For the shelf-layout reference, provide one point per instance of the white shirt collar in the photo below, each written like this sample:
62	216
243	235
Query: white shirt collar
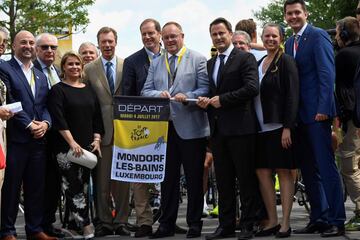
42	64
104	61
301	32
22	65
227	51
176	54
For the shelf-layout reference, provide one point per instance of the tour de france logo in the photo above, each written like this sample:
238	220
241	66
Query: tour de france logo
140	133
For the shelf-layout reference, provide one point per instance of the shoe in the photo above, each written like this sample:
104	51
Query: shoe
221	233
8	237
334	231
283	234
131	227
317	227
194	231
40	236
73	234
180	230
101	231
88	231
122	231
162	233
268	232
353	224
143	231
215	212
245	234
54	232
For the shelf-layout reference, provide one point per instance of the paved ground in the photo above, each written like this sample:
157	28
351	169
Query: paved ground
299	219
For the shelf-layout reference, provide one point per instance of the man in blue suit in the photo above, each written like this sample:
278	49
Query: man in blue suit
314	56
135	71
26	153
181	74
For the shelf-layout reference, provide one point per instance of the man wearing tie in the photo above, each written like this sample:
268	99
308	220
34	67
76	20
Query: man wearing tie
104	75
46	46
234	83
314	56
180	73
26	155
136	69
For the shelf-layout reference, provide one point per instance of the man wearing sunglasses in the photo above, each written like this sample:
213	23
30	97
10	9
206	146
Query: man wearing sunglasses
46	46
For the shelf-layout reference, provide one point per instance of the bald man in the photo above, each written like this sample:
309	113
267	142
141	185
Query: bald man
26	152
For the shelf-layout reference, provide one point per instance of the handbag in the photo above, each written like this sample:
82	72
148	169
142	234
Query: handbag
87	159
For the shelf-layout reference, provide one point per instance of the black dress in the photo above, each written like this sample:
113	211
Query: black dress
76	110
277	109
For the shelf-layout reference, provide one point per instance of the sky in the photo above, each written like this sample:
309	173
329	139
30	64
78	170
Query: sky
194	16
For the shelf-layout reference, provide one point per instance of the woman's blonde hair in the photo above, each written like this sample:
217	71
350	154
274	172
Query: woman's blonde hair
65	58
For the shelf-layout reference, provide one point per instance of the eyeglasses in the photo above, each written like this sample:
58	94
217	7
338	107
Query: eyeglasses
46	47
170	37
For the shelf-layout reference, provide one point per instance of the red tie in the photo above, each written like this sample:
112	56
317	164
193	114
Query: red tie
296	42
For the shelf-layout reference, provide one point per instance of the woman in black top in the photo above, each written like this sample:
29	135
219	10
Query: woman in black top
75	112
276	107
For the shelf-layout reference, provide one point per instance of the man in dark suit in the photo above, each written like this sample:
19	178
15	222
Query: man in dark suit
135	72
46	45
234	83
314	56
26	152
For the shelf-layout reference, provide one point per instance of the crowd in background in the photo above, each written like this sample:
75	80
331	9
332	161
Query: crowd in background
262	109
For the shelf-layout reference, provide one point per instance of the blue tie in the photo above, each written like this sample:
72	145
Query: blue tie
221	66
110	77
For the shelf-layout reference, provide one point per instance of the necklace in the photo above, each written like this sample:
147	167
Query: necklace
266	63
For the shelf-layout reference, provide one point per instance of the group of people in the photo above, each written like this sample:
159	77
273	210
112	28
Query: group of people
261	109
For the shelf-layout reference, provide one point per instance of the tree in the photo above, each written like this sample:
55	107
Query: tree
44	15
322	13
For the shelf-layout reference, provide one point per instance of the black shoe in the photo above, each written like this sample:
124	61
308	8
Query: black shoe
317	227
54	232
180	230
245	234
194	231
334	231
283	234
131	227
143	231
101	231
268	232
221	233
162	233
122	231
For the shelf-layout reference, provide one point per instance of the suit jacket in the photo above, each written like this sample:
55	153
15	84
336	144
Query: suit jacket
18	90
38	66
279	91
238	85
191	79
95	75
136	69
315	62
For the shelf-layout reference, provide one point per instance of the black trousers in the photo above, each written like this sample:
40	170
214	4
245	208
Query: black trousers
191	154
52	184
234	158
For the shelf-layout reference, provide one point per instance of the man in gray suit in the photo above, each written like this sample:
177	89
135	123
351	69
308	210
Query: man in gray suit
181	74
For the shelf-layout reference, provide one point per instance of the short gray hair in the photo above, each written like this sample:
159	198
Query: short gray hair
4	30
243	33
42	35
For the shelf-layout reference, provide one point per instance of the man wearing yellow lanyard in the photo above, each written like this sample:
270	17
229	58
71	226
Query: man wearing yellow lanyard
180	74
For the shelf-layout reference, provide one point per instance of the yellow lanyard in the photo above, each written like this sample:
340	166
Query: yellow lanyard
32	83
181	54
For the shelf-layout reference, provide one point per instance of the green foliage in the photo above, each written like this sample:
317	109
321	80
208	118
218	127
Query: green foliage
322	13
44	15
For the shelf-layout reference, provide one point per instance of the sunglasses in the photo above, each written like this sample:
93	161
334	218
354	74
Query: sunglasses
46	47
